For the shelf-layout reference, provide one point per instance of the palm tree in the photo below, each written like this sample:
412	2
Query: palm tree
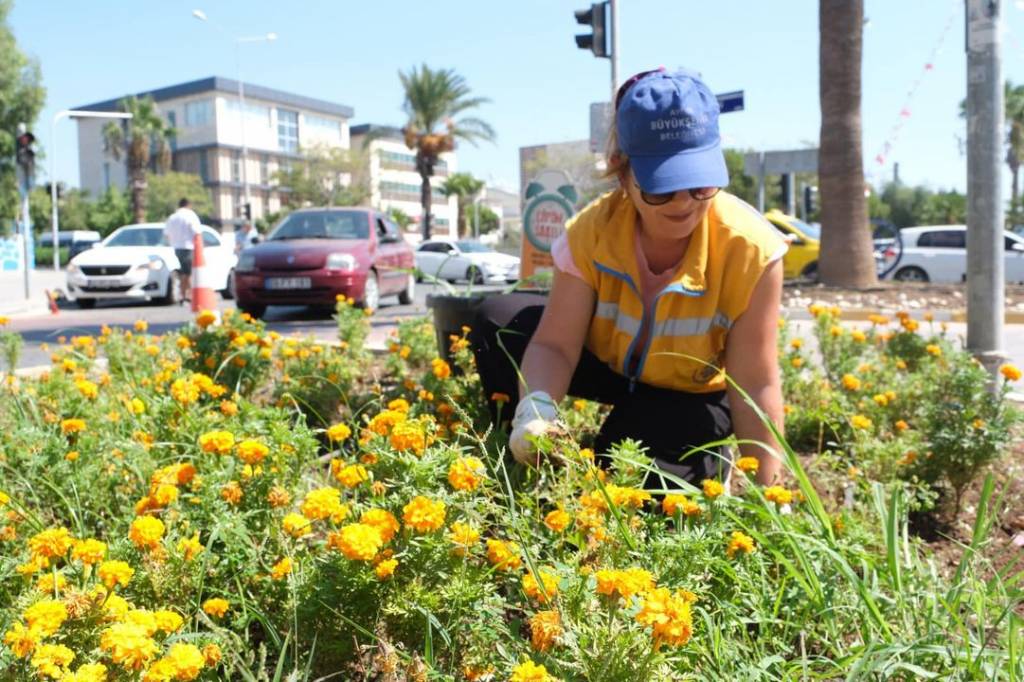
1014	105
140	139
433	98
846	249
465	187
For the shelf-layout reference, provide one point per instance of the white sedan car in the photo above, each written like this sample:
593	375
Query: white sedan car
135	262
938	253
455	259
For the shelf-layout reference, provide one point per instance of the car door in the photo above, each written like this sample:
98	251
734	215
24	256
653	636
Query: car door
942	254
388	259
1014	258
455	263
218	258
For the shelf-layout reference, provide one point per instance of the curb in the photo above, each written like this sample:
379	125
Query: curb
863	315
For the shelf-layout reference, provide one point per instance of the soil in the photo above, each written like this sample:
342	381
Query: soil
891	296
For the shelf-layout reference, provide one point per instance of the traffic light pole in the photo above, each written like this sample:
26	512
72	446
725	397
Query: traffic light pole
614	56
985	265
26	227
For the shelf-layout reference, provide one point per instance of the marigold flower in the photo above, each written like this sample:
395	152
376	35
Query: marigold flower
901	425
278	497
338	432
463	536
933	349
423	514
797	362
859	421
217	442
383	520
52	660
87	389
89	551
349	475
115	573
252	451
385	569
858	336
668	615
212	654
504	555
216	606
231	492
543	591
778	495
46	616
190	548
167	621
466	473
357	541
281	569
141	326
52	583
69	426
1010	372
498	397
740	542
205	318
674	502
407	436
880	399
87	672
440	368
623	583
712	488
748	465
21	640
128	645
851	383
557	520
186	659
528	671
146	532
545	629
324	503
296	525
383	422
51	543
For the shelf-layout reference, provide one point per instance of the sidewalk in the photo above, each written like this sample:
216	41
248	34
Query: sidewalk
12	291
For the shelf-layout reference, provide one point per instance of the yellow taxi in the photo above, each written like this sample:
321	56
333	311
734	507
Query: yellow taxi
804	244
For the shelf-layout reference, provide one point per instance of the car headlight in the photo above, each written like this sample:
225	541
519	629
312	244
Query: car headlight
153	264
246	262
73	269
341	261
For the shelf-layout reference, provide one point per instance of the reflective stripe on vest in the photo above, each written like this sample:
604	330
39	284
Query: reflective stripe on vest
607	310
690	326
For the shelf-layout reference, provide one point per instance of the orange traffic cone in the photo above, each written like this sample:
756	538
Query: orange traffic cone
203	297
51	298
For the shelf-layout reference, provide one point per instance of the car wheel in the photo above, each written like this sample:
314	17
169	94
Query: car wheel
408	294
371	292
174	293
810	271
228	292
475	274
255	310
86	303
911	273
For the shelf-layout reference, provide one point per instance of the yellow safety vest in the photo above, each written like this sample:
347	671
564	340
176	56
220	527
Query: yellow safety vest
711	288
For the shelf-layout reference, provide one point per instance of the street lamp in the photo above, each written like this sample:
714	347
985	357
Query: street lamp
54	217
269	38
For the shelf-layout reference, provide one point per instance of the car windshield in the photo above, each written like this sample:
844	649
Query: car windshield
322	225
473	247
139	236
809	230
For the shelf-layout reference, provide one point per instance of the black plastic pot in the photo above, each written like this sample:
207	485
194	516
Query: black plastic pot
451	313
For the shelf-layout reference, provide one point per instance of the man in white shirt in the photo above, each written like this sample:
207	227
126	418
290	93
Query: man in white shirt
180	230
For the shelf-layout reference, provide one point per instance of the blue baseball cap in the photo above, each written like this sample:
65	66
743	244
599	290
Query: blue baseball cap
667	123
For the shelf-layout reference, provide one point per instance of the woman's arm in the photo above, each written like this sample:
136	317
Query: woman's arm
752	360
555	348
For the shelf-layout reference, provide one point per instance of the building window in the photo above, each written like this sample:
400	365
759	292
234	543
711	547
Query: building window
236	166
288	130
320	125
204	166
265	169
401	161
256	116
402	191
198	113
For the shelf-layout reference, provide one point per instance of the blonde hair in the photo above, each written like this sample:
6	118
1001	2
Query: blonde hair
616	163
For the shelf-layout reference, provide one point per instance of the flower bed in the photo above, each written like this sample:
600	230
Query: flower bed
223	503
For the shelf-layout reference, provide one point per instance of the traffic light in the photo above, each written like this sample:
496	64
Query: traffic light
809	192
597	40
26	152
247	211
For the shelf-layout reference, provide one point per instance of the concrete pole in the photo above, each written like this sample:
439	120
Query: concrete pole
791	194
614	21
985	265
760	182
241	108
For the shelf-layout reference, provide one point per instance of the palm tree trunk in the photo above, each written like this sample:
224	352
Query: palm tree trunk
847	257
138	177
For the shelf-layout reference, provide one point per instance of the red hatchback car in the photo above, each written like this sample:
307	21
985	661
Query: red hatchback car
315	254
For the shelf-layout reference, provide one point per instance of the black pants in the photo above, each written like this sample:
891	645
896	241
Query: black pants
669	423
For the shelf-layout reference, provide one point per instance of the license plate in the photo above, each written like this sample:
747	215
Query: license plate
101	283
288	283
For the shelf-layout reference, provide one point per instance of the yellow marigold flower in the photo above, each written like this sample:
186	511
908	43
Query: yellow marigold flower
46	616
212	654
543	591
205	318
87	672
463	536
296	525
52	660
146	532
165	494
796	344
748	465
51	583
466	473
440	368
557	520
338	432
504	555
357	541
668	615
217	442
900	364
141	326
190	548
778	495
69	426
797	362
216	606
816	309
909	324
228	408
902	425
407	436
278	497
115	573
1010	372
740	542
674	502
128	645
933	349
423	514
88	389
712	488
545	629
858	336
399	405
89	551
385	569
382	423
21	640
528	671
383	520
4	320
349	475
324	503
252	451
281	569
187	659
51	543
859	421
836	330
167	621
624	583
4	498
880	399
851	383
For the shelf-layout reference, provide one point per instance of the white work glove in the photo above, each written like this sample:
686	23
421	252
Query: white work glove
535	415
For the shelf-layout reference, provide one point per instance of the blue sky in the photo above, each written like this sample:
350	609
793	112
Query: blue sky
520	54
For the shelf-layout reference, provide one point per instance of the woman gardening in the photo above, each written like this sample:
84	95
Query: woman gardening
660	287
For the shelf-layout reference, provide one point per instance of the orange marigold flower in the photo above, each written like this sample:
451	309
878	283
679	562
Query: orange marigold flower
69	426
278	497
778	495
1010	372
385	569
281	569
51	543
383	520
407	436
623	583
466	473
89	551
357	541
712	488
739	542
851	383
440	368
500	397
218	442
146	532
557	520
544	590
668	615
545	629
252	451
423	514
463	536
504	555
216	607
232	493
748	465
901	425
205	318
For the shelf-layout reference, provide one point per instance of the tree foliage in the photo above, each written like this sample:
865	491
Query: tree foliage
325	176
144	137
465	187
21	99
166	190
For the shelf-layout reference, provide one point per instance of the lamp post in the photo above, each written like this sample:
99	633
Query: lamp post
54	216
268	37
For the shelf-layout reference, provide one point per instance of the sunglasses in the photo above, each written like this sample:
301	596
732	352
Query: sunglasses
629	83
662	198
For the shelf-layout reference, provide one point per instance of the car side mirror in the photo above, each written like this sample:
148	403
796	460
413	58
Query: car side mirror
256	239
1018	247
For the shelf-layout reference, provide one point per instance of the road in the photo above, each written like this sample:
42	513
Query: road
298	320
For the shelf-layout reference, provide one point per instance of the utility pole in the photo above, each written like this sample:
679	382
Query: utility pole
985	265
614	12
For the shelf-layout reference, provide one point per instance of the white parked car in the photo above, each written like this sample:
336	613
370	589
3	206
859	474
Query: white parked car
135	262
938	253
457	259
